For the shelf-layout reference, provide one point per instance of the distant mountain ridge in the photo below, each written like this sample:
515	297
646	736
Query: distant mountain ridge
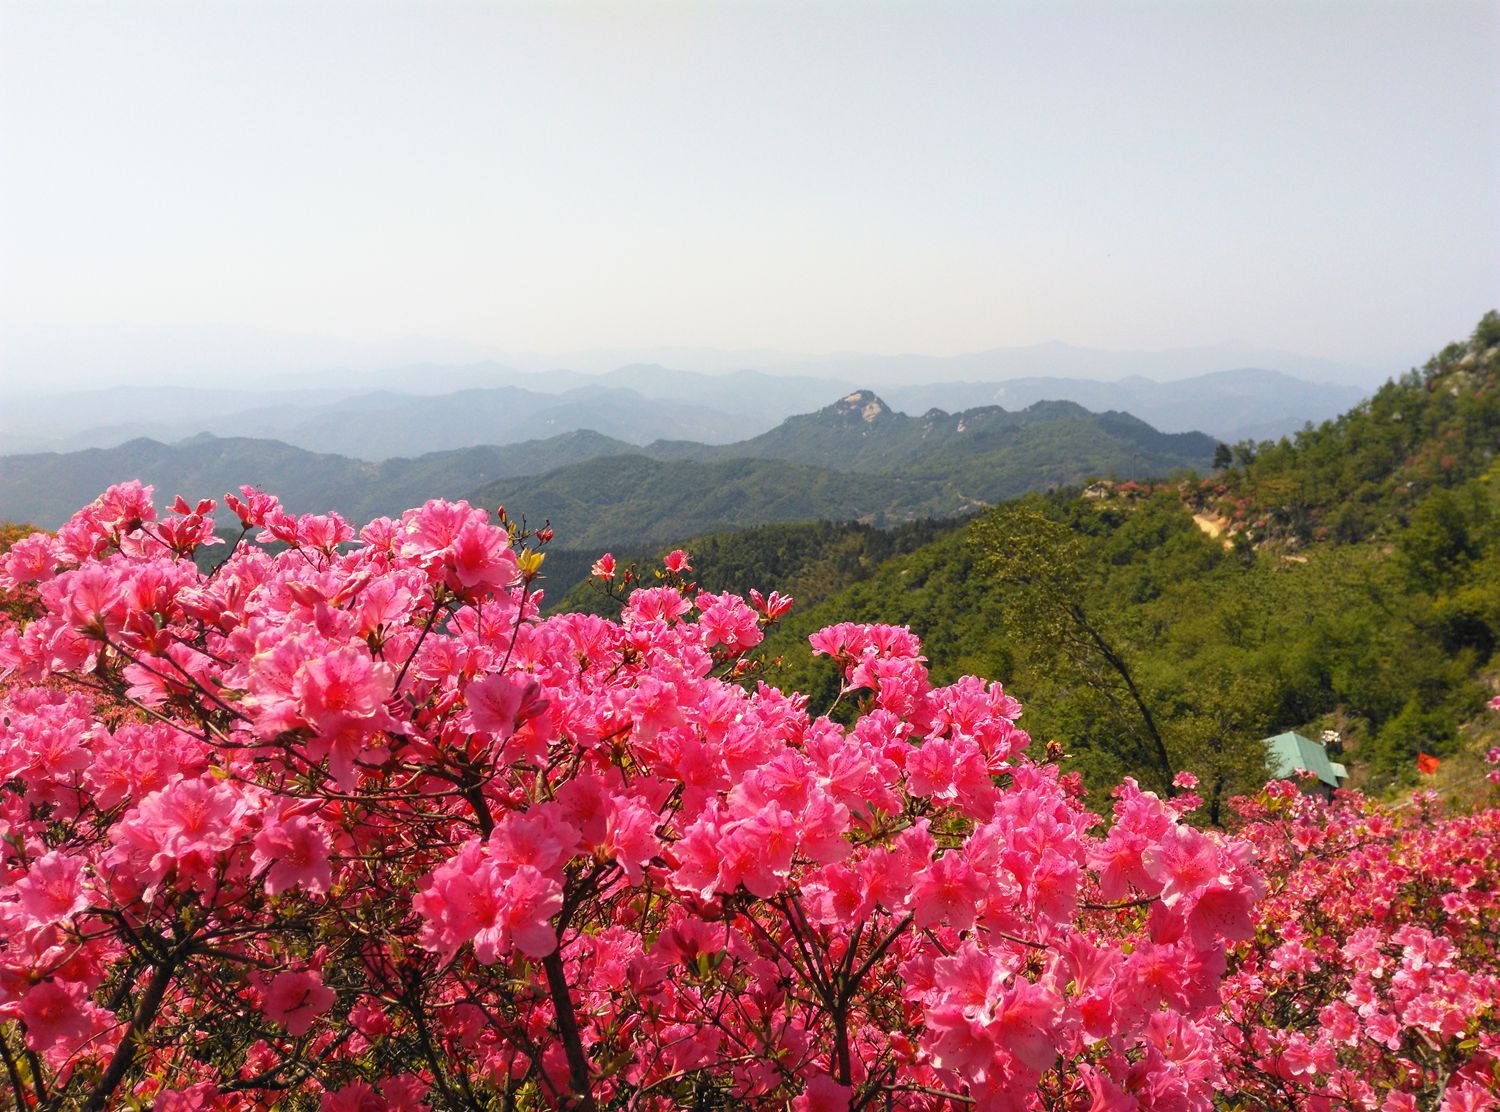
860	432
856	459
284	359
1247	403
46	488
426	408
373	425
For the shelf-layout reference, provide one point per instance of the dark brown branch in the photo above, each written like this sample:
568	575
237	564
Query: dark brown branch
17	1087
567	1027
124	1056
1123	671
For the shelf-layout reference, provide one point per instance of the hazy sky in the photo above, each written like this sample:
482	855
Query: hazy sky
1322	177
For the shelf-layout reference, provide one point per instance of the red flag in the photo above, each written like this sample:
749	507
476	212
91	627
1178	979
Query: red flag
1427	765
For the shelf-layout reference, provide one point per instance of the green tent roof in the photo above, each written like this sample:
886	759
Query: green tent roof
1286	753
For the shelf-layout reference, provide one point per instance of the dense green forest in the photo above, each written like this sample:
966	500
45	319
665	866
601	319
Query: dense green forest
1353	585
852	460
808	560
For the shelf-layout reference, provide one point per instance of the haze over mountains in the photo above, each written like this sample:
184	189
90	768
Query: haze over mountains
430	408
641	453
74	356
1233	405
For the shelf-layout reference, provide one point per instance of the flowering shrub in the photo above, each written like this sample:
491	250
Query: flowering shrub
342	824
1373	981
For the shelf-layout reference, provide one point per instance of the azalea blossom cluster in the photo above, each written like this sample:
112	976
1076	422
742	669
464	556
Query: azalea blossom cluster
340	821
1373	981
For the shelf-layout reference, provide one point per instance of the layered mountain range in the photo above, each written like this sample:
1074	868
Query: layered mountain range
431	408
857	459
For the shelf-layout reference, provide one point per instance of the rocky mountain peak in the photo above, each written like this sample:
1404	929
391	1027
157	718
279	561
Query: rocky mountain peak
862	405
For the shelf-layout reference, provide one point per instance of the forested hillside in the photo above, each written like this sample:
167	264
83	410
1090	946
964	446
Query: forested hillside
1049	438
47	487
1353	584
1371	469
855	460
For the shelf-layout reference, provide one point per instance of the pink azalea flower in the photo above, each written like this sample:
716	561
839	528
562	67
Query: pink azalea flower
294	852
541	838
1182	862
341	684
405	1092
63	1023
1026	1017
52	890
497	703
823	1094
1469	1097
202	1097
947	891
761	859
323	532
255	506
31	559
1297	1058
726	620
1222	909
185	825
357	1096
630	838
473	899
296	999
771	606
481	558
92	599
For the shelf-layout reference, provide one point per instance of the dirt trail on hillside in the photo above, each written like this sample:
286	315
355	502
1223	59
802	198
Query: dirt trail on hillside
1214	526
1210	524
